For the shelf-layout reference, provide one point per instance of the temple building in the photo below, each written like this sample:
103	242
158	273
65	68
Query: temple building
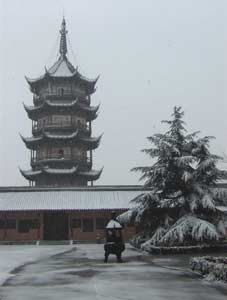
71	214
62	143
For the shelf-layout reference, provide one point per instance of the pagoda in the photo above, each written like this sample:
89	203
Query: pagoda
61	144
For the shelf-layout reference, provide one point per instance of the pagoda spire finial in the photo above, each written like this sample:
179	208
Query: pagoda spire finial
63	42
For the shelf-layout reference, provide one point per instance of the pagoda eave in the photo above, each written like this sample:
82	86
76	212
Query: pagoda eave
91	175
34	175
74	138
34	112
89	84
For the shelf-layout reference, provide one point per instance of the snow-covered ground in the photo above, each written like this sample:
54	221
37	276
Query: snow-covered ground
80	273
14	256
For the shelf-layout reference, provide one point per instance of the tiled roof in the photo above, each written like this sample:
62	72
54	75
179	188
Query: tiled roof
66	199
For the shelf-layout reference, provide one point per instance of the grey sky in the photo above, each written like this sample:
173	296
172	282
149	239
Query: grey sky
151	55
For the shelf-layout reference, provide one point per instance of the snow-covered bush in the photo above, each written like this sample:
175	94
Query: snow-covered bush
180	208
212	267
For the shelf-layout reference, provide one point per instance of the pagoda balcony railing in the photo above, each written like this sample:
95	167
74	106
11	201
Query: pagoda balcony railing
56	97
61	158
36	128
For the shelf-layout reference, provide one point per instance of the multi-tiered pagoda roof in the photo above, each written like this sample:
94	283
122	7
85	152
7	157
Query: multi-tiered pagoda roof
61	145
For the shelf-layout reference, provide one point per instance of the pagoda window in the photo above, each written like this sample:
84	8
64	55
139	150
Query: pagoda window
61	153
88	225
49	87
61	120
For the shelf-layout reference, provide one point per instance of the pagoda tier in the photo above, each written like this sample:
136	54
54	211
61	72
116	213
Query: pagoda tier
36	175
50	107
68	161
62	69
74	138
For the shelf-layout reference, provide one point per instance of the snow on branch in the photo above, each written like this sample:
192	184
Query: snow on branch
159	233
127	216
189	227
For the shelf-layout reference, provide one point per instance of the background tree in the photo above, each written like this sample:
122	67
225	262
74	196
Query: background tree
180	206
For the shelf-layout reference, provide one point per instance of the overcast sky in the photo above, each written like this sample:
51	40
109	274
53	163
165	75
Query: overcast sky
151	55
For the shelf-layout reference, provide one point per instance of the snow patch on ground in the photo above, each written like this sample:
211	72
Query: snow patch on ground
18	255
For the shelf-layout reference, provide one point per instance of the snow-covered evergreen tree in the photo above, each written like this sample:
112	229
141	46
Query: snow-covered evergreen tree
180	207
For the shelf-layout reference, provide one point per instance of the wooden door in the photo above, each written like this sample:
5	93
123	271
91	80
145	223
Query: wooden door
56	226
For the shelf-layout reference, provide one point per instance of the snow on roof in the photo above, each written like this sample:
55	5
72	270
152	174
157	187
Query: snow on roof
91	172
70	104
31	172
113	224
81	199
66	104
60	171
61	136
91	139
62	68
31	139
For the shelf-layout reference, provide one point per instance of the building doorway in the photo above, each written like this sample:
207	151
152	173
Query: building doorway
56	226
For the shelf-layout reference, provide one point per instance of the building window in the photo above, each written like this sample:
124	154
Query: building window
34	224
23	226
2	224
88	225
101	223
76	223
8	224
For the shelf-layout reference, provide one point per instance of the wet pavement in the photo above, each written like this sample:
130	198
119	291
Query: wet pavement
80	273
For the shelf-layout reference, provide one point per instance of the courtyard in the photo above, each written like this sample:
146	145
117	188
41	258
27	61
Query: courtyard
78	272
